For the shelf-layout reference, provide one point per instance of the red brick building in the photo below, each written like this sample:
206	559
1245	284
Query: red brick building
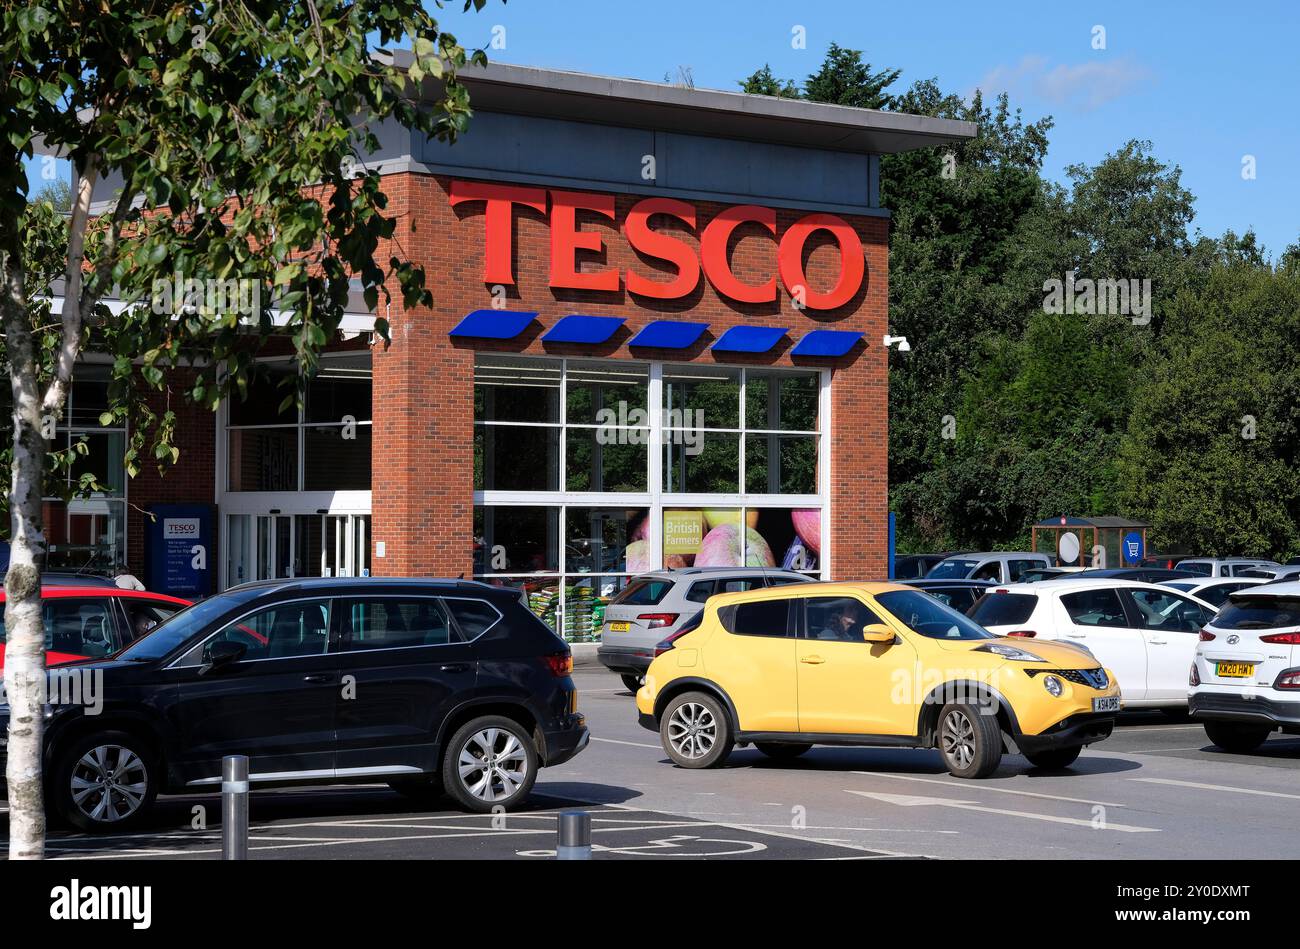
657	338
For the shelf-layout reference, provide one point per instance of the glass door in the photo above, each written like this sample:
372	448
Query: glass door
276	546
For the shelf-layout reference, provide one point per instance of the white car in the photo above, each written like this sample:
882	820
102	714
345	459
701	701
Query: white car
1222	566
1245	680
1145	633
1213	590
1000	566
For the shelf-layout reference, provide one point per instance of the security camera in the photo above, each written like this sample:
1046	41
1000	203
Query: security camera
903	345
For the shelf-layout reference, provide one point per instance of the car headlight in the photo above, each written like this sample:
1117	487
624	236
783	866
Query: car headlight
1053	686
1013	653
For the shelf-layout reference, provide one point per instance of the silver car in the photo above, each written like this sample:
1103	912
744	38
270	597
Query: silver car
655	605
1000	566
1223	566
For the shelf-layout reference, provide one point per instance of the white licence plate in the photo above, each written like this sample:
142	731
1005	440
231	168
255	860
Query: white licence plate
1107	703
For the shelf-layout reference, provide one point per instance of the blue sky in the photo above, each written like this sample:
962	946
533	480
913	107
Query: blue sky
1206	84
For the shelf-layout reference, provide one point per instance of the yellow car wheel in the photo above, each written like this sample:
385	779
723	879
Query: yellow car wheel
969	740
695	731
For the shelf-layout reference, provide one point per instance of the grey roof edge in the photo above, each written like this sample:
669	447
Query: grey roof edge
583	96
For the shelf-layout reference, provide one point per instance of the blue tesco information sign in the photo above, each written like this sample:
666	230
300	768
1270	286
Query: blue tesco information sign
180	549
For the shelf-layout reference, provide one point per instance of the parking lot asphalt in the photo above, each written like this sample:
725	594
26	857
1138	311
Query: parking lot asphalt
1156	788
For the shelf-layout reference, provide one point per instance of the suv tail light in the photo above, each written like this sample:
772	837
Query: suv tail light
664	645
560	663
1289	679
658	620
1023	633
1286	639
1206	636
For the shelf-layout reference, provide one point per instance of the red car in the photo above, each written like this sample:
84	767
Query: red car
88	622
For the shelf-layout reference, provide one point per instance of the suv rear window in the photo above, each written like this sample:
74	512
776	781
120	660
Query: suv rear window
1200	569
1003	609
1259	612
644	591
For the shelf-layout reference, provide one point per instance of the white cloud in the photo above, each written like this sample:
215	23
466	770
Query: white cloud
1084	86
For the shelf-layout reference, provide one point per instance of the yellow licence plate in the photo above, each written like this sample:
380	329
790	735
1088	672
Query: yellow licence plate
619	627
1233	670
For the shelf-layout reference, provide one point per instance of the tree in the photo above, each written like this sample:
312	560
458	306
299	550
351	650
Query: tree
231	127
1212	449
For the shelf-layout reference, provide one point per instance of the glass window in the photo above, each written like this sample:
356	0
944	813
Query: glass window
143	615
1259	612
597	539
781	401
516	539
605	459
1094	608
1215	595
473	617
516	458
337	457
644	592
283	631
612	393
781	464
702	396
341	388
952	569
739	584
394	623
262	402
700	462
927	616
263	459
699	592
960	599
516	389
837	618
80	627
1002	609
1167	612
1016	568
760	618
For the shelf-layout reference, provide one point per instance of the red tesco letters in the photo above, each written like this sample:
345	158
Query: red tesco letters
569	239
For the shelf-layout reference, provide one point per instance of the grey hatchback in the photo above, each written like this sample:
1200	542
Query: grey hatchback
655	605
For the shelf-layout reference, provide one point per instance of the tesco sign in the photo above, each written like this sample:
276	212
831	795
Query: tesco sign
711	258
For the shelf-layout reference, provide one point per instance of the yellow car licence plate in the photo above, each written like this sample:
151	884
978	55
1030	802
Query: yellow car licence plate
621	626
1233	670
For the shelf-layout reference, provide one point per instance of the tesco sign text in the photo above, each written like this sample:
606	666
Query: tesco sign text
567	239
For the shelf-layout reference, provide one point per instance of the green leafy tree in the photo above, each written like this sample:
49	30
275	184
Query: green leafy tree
1212	449
231	130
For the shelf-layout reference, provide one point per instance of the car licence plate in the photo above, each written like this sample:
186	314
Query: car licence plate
621	626
1234	670
1107	703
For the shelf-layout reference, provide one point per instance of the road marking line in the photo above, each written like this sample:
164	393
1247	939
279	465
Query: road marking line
1156	751
1217	787
984	787
907	800
634	744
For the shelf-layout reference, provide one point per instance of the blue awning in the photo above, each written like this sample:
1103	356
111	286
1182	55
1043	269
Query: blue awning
749	339
493	324
826	343
577	328
669	334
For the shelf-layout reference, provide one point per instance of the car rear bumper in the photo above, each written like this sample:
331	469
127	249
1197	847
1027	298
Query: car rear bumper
1082	729
634	660
564	743
1231	707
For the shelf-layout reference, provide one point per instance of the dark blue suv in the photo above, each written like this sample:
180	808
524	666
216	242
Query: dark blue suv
432	686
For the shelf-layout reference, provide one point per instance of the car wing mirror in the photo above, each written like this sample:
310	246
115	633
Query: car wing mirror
218	655
877	633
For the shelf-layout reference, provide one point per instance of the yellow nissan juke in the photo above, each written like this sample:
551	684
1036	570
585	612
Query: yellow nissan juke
786	668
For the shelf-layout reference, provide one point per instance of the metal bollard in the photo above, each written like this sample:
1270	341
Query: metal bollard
575	836
234	807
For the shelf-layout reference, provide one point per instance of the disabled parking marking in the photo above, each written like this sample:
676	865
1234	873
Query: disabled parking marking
1217	787
986	787
909	800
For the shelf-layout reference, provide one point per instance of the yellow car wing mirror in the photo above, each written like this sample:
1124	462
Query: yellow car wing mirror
877	633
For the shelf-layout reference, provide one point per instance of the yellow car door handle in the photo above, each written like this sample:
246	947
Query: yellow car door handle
814	660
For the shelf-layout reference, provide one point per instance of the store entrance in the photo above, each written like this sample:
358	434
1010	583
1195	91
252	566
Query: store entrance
276	545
